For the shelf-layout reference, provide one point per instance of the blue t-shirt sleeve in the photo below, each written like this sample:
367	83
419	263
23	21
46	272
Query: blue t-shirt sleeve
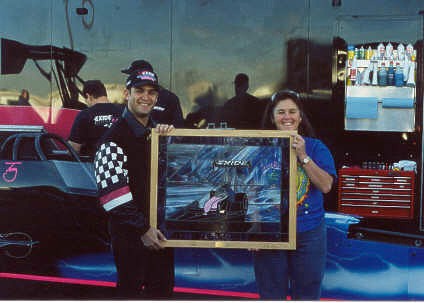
323	158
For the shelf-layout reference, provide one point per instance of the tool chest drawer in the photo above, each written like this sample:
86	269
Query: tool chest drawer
376	193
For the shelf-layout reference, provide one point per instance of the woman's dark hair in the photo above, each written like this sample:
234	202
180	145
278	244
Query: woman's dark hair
305	127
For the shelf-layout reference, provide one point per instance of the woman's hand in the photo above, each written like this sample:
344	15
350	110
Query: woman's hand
299	147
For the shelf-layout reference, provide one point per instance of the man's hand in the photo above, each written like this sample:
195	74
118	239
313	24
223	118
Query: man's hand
164	128
152	239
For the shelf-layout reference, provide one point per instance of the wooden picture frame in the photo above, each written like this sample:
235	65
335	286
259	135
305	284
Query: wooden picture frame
219	188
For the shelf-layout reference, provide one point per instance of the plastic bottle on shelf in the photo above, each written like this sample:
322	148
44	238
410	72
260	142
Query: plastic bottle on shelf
411	75
395	54
382	75
350	52
362	53
398	75
389	51
366	75
410	80
374	80
381	51
391	74
414	55
368	53
401	51
406	64
374	55
356	53
409	51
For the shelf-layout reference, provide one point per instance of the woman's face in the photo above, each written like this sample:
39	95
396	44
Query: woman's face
286	115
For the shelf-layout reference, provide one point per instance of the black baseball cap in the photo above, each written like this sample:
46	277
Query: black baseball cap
142	77
137	65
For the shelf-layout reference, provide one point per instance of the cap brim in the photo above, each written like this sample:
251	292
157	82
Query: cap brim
143	83
126	70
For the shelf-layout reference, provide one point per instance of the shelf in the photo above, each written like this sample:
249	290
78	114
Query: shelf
380	91
366	63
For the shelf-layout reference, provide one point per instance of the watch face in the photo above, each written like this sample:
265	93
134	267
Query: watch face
306	160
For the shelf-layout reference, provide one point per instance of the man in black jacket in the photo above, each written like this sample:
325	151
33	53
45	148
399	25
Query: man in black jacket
145	268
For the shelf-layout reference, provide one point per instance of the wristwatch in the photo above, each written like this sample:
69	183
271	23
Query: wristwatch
306	160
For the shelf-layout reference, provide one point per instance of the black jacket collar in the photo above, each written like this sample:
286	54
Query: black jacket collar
139	129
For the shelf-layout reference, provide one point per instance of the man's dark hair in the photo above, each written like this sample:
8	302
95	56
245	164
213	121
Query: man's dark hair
94	88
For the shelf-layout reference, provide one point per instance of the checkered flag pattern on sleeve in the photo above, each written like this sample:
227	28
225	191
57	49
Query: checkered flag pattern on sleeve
111	177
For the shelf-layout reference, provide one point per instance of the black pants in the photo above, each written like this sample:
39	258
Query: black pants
142	273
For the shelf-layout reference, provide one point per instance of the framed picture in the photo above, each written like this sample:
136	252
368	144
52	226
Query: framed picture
218	188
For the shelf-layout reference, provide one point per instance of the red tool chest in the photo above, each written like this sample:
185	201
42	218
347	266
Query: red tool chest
376	193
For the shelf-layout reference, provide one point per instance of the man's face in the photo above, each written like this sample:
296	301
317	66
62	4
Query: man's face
141	100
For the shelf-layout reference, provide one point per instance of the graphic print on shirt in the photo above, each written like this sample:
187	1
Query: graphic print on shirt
104	120
303	183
